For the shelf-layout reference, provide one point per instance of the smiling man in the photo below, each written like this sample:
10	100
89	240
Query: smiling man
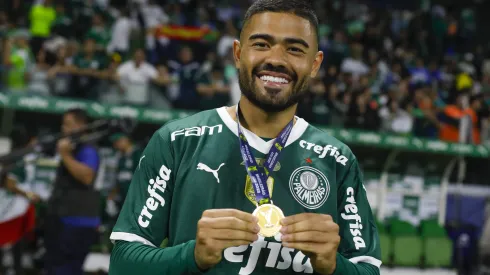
251	189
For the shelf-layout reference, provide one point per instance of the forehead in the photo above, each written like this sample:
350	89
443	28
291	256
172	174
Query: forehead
281	24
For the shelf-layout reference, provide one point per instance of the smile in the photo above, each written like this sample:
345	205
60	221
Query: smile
274	81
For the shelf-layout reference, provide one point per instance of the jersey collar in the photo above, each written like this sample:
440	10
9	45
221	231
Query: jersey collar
255	141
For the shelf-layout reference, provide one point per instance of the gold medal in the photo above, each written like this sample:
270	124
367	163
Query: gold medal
269	217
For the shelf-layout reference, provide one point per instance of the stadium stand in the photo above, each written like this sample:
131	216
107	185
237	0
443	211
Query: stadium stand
406	84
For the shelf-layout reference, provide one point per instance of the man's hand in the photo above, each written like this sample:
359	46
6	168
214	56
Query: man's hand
64	146
316	235
219	229
33	197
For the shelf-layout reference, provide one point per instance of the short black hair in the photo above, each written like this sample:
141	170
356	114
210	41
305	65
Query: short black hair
79	114
21	135
301	8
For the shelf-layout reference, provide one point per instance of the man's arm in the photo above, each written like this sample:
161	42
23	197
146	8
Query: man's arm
18	174
83	166
143	224
359	251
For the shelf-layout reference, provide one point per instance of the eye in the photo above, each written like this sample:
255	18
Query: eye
259	45
296	50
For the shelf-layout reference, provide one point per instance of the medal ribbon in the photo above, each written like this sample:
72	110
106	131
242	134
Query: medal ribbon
259	174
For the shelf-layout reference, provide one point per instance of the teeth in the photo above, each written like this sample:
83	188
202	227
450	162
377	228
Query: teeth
274	79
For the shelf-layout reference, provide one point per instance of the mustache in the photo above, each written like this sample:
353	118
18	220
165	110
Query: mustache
276	69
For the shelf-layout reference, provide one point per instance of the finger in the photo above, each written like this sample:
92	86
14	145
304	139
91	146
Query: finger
223	244
308	236
229	234
304	216
217	213
310	225
308	247
229	223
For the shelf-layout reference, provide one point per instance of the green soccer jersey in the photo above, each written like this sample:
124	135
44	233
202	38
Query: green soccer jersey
125	169
194	164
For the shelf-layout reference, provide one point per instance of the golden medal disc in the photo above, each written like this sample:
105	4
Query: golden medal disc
270	217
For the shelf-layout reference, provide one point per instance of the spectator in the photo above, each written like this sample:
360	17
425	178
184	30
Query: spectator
87	68
363	113
42	16
213	89
18	58
354	64
121	31
135	77
38	75
185	71
395	119
99	33
63	25
452	116
473	111
59	74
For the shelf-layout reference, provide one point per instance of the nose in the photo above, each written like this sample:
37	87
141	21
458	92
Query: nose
277	57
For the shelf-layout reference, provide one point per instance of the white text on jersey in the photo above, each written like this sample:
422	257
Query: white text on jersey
285	261
156	198
355	225
322	151
196	131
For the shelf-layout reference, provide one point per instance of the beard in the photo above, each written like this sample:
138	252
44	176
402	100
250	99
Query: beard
249	88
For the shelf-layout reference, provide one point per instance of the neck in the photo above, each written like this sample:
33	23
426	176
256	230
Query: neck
261	123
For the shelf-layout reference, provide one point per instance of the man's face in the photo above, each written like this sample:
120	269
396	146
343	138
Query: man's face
89	46
70	124
121	144
276	57
139	56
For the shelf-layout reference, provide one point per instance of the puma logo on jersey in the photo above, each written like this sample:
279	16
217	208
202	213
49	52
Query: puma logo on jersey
323	151
355	222
156	188
279	257
204	167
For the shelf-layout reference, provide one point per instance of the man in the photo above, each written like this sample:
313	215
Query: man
73	209
199	186
128	161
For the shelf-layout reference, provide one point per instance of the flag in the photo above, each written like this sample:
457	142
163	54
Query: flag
17	219
188	33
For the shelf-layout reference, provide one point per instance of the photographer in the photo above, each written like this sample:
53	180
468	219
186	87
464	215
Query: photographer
73	209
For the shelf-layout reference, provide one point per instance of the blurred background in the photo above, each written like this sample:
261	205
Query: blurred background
406	84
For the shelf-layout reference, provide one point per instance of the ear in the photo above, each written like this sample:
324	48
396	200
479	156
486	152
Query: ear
316	64
237	50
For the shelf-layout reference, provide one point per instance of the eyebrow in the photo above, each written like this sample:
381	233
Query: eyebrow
270	38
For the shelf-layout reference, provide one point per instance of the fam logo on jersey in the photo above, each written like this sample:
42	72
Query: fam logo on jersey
197	131
309	187
249	190
324	151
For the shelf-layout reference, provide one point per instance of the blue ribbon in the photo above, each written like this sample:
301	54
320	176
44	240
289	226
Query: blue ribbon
259	174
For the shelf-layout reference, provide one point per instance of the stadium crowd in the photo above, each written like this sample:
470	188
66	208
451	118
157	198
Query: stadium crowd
407	72
410	72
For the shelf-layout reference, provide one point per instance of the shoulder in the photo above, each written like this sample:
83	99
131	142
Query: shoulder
88	150
326	146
